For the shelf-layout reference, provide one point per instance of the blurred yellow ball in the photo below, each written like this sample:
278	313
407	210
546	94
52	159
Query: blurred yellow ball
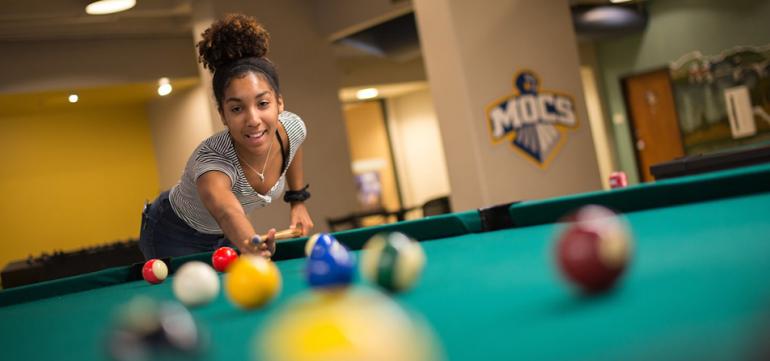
341	325
252	281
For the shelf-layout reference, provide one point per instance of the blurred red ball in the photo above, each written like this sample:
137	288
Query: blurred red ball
594	248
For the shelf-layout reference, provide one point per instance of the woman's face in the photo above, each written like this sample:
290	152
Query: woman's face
250	111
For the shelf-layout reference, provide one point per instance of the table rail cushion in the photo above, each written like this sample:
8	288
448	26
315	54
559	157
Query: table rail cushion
665	193
433	227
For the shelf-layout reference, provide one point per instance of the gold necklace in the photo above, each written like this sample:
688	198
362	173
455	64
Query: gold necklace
261	174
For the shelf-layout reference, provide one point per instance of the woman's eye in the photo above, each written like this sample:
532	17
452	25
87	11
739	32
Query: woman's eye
235	109
264	103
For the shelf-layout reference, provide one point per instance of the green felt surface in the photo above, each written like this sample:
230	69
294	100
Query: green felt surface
696	289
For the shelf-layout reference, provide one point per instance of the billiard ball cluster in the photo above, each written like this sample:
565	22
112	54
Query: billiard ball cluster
594	248
393	261
251	281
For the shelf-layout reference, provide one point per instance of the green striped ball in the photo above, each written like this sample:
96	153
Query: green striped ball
392	260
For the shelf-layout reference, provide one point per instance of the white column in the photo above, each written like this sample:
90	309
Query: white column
472	54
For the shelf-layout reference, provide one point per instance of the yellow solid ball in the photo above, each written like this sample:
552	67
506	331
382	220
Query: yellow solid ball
345	325
252	281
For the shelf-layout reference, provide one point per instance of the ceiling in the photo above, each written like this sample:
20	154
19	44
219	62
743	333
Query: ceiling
53	20
30	20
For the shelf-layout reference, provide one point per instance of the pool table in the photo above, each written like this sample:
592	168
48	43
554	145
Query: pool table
697	287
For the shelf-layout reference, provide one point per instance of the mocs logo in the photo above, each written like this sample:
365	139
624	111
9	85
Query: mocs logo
535	121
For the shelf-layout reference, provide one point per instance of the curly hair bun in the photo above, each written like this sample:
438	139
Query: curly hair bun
234	37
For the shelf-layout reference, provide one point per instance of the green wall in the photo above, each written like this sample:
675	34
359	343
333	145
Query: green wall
676	27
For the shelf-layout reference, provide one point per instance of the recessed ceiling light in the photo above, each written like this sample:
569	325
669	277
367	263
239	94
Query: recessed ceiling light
367	93
619	1
164	87
73	98
103	7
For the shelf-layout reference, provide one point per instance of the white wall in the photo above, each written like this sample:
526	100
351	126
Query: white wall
471	54
417	147
178	122
601	129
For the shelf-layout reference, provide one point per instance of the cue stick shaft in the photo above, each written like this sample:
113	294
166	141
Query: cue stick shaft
284	234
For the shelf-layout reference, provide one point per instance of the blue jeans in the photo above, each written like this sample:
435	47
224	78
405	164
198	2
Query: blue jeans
163	234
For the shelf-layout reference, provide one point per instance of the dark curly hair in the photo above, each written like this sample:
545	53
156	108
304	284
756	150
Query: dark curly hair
233	46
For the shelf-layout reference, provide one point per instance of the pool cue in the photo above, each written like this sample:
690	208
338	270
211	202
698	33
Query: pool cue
281	235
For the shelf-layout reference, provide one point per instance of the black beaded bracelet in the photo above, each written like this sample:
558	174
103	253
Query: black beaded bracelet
297	196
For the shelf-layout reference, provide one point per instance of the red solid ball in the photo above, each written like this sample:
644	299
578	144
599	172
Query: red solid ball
154	271
594	248
222	258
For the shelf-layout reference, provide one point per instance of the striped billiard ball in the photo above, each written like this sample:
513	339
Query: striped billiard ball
392	260
594	248
154	271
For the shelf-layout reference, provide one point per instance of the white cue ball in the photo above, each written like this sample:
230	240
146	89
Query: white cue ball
195	283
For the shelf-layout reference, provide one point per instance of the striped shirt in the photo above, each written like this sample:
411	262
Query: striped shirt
218	154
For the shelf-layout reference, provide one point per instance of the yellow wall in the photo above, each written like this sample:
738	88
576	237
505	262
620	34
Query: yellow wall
368	141
72	175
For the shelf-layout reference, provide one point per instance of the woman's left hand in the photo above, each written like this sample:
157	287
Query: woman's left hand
300	218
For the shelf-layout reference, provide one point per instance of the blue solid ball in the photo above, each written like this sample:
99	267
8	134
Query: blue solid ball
319	239
330	266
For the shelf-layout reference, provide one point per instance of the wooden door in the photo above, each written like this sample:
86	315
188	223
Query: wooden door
655	128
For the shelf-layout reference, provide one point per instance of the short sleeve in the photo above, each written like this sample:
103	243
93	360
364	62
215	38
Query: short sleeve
206	160
295	129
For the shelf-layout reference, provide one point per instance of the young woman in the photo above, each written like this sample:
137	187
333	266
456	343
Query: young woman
237	170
